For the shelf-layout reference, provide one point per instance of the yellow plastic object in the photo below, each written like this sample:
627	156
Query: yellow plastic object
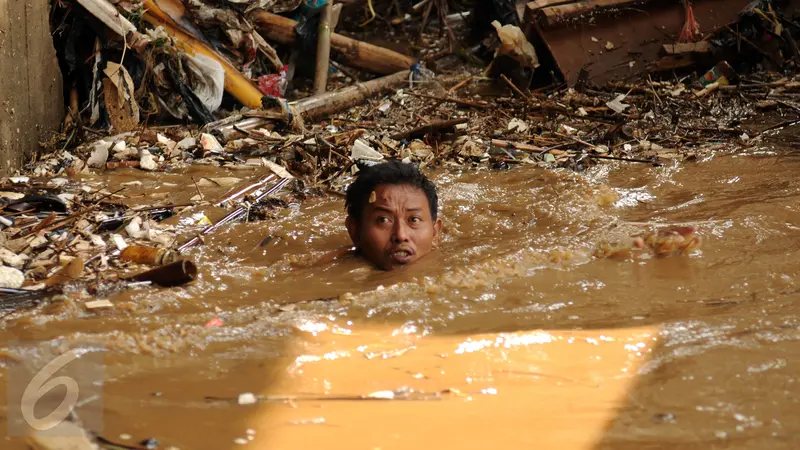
235	83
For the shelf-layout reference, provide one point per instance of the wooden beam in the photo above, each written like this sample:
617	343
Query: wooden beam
355	53
333	102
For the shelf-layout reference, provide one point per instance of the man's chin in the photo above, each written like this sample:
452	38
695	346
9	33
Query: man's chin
396	263
393	265
390	262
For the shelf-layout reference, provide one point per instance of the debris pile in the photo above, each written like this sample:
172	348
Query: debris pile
60	232
626	40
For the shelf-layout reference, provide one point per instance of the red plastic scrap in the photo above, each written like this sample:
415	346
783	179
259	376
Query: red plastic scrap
274	84
215	322
691	28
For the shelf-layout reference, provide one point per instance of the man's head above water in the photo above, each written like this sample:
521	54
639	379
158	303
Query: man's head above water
392	214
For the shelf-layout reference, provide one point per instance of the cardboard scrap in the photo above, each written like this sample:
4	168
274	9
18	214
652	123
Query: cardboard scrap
119	95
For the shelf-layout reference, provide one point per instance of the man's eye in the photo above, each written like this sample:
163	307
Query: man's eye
415	219
383	219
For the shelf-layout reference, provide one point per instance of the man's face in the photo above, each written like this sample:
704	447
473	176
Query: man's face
396	228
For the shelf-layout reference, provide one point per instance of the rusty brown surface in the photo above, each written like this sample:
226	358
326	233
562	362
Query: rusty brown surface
637	31
31	99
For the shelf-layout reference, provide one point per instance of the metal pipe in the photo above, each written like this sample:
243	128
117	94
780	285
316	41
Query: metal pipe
170	275
245	190
232	216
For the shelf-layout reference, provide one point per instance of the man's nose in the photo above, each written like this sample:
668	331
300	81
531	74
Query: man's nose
400	231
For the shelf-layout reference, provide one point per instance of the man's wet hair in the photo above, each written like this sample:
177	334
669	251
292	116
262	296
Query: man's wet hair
391	172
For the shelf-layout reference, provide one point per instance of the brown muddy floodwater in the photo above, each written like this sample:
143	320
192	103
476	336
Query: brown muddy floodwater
489	343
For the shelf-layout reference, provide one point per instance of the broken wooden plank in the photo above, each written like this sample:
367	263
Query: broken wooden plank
670	62
687	47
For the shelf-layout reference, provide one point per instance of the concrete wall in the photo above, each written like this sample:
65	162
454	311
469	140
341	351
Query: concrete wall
31	98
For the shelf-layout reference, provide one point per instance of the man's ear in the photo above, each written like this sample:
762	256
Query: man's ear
352	229
437	232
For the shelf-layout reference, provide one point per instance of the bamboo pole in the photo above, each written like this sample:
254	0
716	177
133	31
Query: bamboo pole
355	53
235	83
323	49
332	102
321	105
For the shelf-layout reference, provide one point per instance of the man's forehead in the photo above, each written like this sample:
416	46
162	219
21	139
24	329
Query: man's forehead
398	195
398	191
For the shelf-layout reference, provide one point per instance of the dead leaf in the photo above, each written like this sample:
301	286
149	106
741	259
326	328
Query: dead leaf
71	271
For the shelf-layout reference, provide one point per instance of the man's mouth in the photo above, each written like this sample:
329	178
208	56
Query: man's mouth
401	256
